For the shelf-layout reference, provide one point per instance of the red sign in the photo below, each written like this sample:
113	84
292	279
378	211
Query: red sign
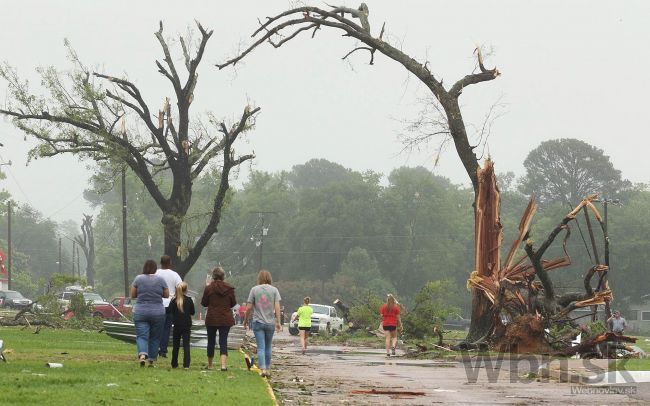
3	256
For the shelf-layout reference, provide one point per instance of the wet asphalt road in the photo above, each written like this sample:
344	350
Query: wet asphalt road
353	375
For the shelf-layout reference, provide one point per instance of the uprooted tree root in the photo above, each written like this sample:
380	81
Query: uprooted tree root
525	335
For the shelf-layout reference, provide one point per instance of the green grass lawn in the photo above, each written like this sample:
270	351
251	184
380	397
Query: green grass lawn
634	364
101	370
642	343
630	365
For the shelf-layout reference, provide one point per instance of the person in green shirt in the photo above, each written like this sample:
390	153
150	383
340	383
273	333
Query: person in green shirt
304	322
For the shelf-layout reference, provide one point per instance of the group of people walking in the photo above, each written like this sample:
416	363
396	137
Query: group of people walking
162	301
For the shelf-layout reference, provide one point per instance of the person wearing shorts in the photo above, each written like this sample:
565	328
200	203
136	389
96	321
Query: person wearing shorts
304	322
390	312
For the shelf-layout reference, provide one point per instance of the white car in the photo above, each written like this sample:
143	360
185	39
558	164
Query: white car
92	297
324	319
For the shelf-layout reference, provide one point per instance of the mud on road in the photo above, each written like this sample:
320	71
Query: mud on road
330	375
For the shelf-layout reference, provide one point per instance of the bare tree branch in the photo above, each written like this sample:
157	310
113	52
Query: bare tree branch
289	24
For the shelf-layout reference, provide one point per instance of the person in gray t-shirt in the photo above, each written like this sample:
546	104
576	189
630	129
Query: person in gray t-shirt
148	312
264	308
617	323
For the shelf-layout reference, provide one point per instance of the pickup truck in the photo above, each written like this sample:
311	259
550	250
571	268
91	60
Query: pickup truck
123	305
324	319
101	308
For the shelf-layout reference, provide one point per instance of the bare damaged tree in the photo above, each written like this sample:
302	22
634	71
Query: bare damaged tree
87	243
287	25
81	117
524	291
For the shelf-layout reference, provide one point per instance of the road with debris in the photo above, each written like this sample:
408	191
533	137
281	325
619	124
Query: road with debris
355	375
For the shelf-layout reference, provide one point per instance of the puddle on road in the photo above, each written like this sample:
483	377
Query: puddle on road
372	357
330	351
394	362
413	364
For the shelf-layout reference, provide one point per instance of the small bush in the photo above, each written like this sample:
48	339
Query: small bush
366	315
79	307
431	308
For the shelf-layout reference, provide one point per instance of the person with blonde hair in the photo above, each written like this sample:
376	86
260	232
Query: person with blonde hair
219	298
303	314
263	307
182	310
390	312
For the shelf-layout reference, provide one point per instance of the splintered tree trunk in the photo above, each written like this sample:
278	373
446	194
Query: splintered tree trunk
488	237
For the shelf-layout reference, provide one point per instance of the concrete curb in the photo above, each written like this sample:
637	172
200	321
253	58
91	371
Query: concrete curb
562	376
269	389
577	374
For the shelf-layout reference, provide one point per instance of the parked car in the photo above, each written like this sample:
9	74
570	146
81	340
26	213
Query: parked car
94	298
324	319
123	305
100	307
13	299
456	323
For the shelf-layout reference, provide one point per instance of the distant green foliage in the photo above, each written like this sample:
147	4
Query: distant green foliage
59	281
364	274
79	306
366	315
26	284
596	328
568	170
431	308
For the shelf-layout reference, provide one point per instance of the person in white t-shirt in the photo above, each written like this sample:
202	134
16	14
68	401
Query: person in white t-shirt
171	279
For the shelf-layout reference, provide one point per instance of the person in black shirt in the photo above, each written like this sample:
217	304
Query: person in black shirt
182	310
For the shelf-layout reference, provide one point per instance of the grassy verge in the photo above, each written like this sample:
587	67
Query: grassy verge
642	343
101	370
629	365
634	364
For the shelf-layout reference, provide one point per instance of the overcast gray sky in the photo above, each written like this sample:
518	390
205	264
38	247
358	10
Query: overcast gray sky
569	69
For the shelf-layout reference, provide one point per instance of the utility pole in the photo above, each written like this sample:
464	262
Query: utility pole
9	245
263	231
60	263
124	243
74	248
